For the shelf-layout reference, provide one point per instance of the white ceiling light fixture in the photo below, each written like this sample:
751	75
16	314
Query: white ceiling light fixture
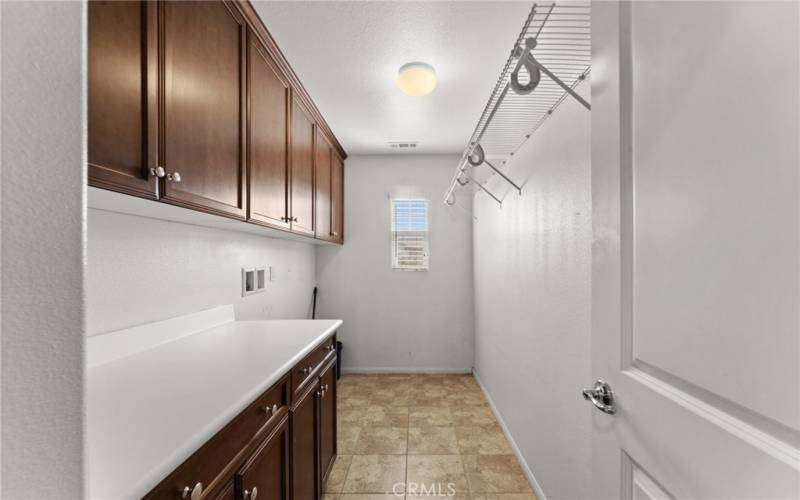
416	78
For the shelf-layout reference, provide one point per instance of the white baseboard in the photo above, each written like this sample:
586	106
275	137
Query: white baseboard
402	371
537	489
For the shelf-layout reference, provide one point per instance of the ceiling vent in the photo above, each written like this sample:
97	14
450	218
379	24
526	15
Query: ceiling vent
403	145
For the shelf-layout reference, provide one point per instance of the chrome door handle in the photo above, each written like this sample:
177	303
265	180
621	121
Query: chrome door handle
158	171
601	397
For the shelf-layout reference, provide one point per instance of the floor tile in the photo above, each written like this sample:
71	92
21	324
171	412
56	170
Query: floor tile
347	438
349	416
375	474
356	401
372	496
494	474
382	441
432	441
507	496
472	415
385	416
427	416
482	440
439	475
338	474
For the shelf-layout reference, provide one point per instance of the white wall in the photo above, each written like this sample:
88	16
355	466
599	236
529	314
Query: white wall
533	301
42	185
142	270
399	320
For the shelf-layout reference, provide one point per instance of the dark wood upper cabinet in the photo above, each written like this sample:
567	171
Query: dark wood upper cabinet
305	472
266	473
122	99
327	420
268	139
203	117
337	198
192	103
302	169
322	187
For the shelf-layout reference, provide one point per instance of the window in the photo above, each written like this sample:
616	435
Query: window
410	234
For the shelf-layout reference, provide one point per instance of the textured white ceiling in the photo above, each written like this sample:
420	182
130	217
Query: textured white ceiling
347	55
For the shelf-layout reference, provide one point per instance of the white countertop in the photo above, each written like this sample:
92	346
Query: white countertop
149	411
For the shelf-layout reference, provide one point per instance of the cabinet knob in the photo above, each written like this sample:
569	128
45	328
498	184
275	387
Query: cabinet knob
334	233
270	410
251	494
308	370
192	493
294	219
174	177
285	219
158	172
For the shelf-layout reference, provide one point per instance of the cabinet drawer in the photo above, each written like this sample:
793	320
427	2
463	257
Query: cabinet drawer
214	461
305	371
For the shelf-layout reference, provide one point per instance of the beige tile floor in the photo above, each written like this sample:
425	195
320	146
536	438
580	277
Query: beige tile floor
432	436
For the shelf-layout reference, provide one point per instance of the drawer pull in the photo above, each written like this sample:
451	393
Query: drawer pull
308	370
251	495
192	493
270	410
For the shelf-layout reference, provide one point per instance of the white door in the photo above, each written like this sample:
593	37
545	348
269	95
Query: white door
696	261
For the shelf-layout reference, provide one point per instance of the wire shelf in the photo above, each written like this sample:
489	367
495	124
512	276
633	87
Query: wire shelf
562	34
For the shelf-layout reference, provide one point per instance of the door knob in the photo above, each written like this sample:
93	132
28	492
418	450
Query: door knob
174	177
251	494
601	397
158	172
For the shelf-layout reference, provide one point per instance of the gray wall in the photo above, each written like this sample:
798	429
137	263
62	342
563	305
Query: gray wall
143	270
399	320
533	301
42	193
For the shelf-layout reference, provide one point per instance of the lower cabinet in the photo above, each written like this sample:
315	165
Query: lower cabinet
266	473
281	447
305	475
327	419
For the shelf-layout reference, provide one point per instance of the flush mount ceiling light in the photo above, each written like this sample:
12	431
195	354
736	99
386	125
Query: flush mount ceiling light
416	78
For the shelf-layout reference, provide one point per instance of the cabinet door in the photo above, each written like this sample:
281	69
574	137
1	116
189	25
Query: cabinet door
266	473
203	122
302	170
322	187
268	144
122	99
327	419
305	465
337	198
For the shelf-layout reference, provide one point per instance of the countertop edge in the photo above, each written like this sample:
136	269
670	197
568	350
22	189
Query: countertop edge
164	468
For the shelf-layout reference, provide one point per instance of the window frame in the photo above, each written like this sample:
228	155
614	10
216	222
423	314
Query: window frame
393	235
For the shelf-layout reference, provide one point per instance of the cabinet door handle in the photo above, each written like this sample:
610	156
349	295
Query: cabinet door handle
270	410
158	171
334	233
174	177
294	219
251	494
192	493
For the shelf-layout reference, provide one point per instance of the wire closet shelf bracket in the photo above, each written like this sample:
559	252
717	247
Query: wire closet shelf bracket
551	56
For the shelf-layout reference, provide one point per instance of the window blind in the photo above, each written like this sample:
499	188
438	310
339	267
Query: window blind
410	234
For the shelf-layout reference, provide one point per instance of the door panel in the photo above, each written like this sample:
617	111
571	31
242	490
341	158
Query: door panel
337	198
268	139
203	106
305	475
327	420
322	187
267	471
695	260
121	108
302	170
